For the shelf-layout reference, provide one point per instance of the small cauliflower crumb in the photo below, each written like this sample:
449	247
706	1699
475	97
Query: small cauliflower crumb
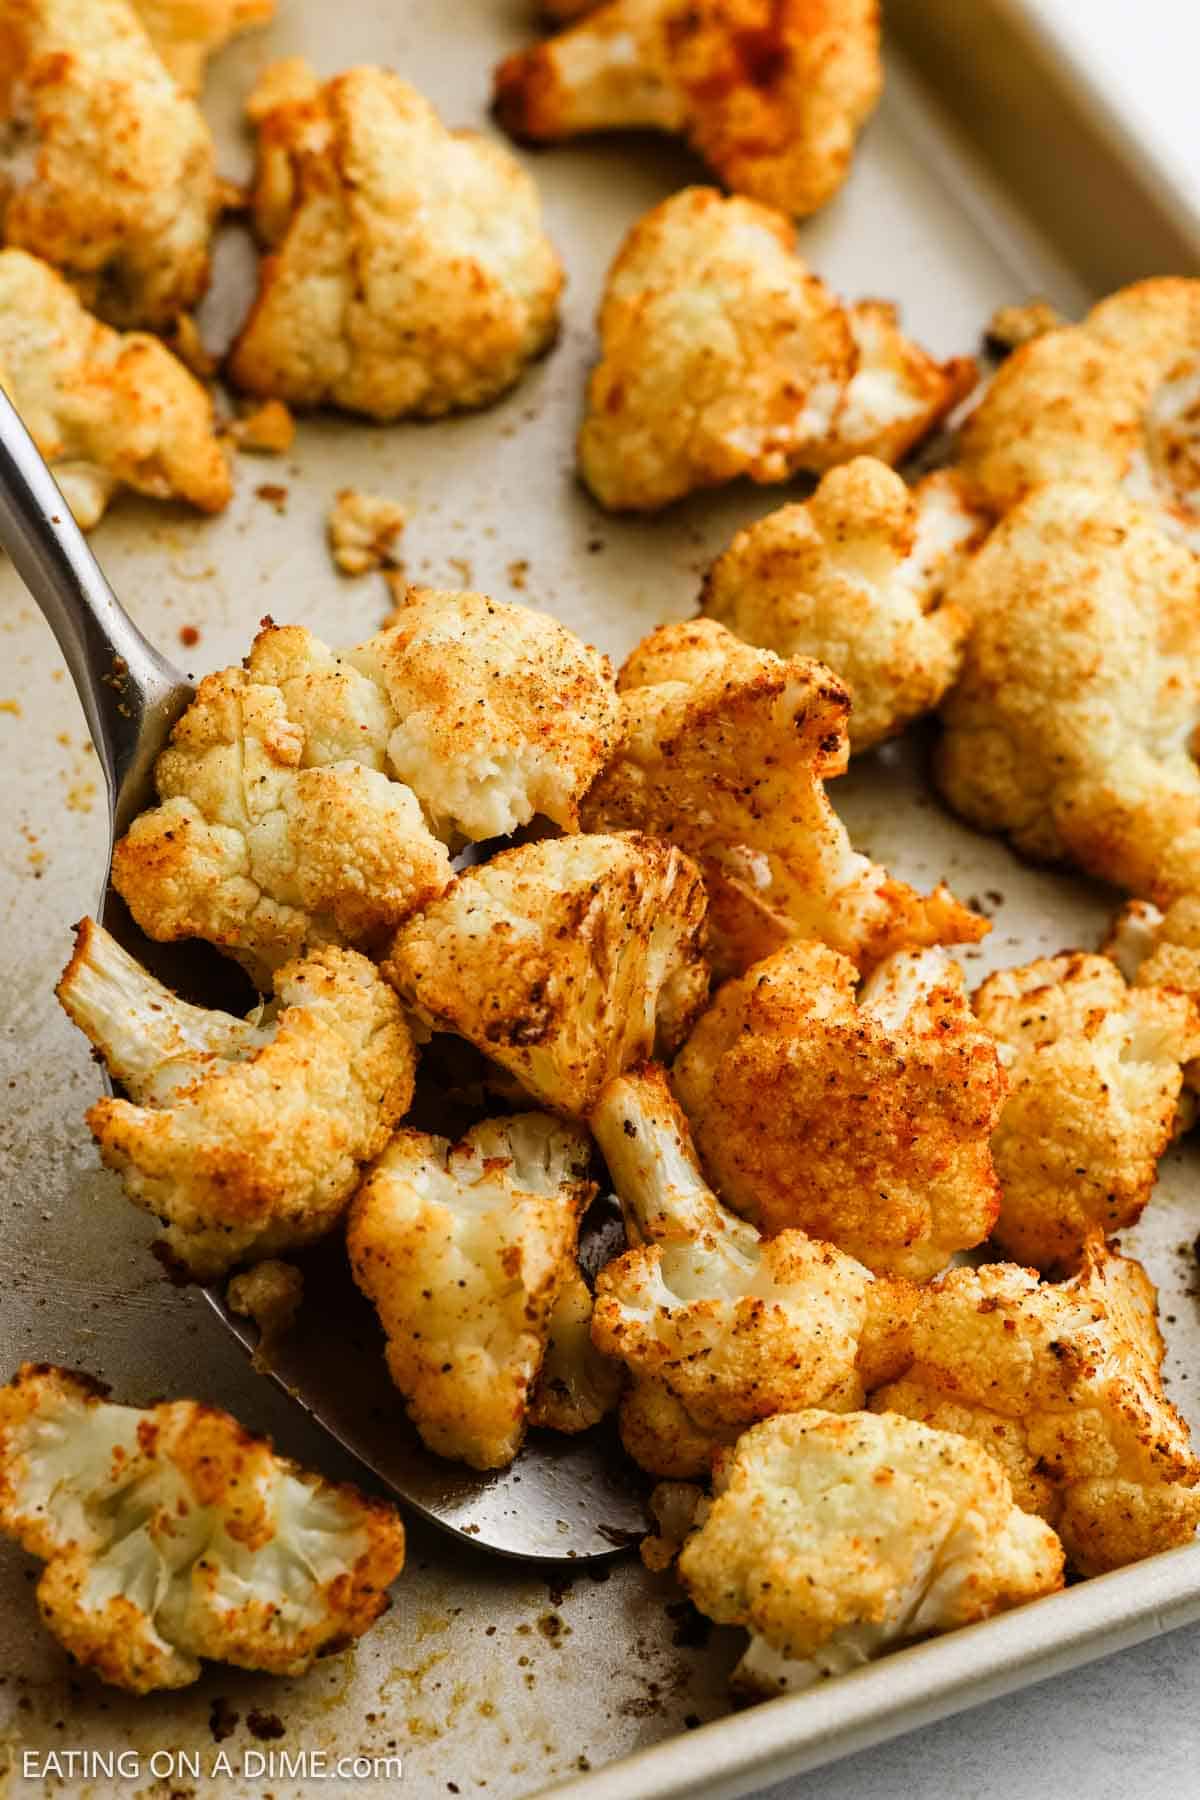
271	1294
1012	326
267	430
363	531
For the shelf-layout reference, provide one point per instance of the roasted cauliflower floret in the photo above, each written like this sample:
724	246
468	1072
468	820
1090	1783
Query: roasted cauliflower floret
1114	401
855	577
363	530
244	1137
186	33
577	1384
106	410
565	961
407	271
1095	1069
1071	727
771	93
464	1250
865	1122
121	190
1153	948
721	356
172	1535
725	750
1062	1384
834	1539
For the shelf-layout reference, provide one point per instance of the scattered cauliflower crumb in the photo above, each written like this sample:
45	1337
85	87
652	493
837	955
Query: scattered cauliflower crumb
675	1508
464	1250
1010	327
577	1384
363	531
269	430
271	1294
172	1535
187	33
243	1136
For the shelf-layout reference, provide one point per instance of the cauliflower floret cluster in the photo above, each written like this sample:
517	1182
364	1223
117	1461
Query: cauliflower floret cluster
243	1136
833	1539
172	1535
1095	1070
772	95
725	750
186	33
1062	1384
407	271
722	356
106	410
855	577
865	1120
565	961
1072	725
464	1249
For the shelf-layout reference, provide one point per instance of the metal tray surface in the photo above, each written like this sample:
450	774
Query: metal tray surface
485	1676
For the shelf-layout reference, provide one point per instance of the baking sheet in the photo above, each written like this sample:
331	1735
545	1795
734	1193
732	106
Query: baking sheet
487	1680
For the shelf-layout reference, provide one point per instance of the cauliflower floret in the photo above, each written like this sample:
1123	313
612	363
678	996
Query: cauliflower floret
721	356
854	577
1153	948
464	1250
1072	725
1095	1071
834	1539
121	190
363	531
771	93
577	1384
725	751
1114	401
866	1124
1062	1384
243	1136
186	33
407	268
565	961
106	411
172	1535
271	1294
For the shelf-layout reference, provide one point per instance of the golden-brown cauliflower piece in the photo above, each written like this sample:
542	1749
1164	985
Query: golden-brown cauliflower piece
407	271
464	1250
855	577
864	1122
833	1539
172	1536
1071	726
121	191
106	410
243	1136
565	961
363	530
726	750
186	33
771	93
1115	401
721	356
1062	1385
577	1384
1094	1069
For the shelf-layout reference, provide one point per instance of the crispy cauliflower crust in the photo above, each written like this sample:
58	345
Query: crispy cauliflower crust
833	1539
244	1137
725	750
465	1250
771	93
722	356
186	33
171	1535
107	410
855	577
1095	1069
1062	1385
407	271
864	1122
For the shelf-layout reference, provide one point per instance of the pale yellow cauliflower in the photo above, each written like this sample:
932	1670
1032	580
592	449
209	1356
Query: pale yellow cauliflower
833	1539
363	530
406	269
1072	725
243	1136
565	961
186	33
1095	1069
863	1120
722	356
107	410
726	749
771	93
171	1537
1062	1384
464	1250
109	170
855	577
